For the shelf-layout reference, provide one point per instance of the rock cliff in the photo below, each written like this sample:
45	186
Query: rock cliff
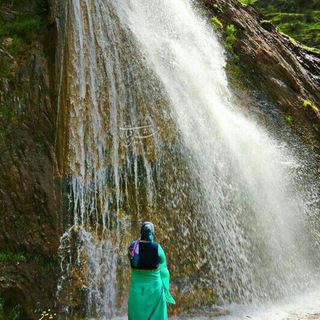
29	188
275	67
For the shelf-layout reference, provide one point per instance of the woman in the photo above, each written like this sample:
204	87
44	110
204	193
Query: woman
149	287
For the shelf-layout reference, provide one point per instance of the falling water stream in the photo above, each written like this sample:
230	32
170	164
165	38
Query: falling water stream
148	99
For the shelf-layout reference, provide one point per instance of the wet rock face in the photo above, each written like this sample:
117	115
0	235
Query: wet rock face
29	191
284	72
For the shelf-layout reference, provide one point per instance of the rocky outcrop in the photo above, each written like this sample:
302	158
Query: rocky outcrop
283	72
29	189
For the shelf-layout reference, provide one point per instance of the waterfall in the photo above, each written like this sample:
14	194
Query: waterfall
153	132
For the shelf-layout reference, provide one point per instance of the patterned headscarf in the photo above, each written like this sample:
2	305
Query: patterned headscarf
147	231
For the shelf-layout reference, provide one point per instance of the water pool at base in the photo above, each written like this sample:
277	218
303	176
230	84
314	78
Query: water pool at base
305	306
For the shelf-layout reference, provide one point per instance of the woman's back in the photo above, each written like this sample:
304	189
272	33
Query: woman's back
148	256
149	286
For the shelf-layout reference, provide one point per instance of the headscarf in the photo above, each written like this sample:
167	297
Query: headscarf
147	231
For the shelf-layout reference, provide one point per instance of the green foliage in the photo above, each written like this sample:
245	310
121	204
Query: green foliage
45	263
16	312
12	257
26	28
217	24
288	119
308	104
231	37
309	16
289	5
246	2
230	40
316	127
233	67
299	19
1	308
14	46
7	116
294	27
5	70
6	113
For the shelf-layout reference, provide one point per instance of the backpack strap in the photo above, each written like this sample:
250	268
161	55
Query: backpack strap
134	249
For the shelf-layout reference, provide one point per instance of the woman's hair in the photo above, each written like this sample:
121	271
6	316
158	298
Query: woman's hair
147	231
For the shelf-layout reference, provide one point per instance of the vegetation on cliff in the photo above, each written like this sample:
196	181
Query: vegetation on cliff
297	18
274	66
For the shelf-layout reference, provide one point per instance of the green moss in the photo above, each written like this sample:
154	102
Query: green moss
217	24
45	263
7	118
299	44
288	119
15	45
6	113
5	69
12	257
26	28
308	104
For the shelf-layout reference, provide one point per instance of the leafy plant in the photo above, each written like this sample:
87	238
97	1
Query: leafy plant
16	312
231	37
308	104
217	24
230	40
288	119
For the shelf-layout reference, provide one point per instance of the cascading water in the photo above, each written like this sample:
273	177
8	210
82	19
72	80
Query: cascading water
153	133
112	136
254	221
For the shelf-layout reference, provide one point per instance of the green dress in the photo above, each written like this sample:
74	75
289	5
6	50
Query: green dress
149	292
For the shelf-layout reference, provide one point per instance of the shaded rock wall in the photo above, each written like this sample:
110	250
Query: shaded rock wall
29	189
